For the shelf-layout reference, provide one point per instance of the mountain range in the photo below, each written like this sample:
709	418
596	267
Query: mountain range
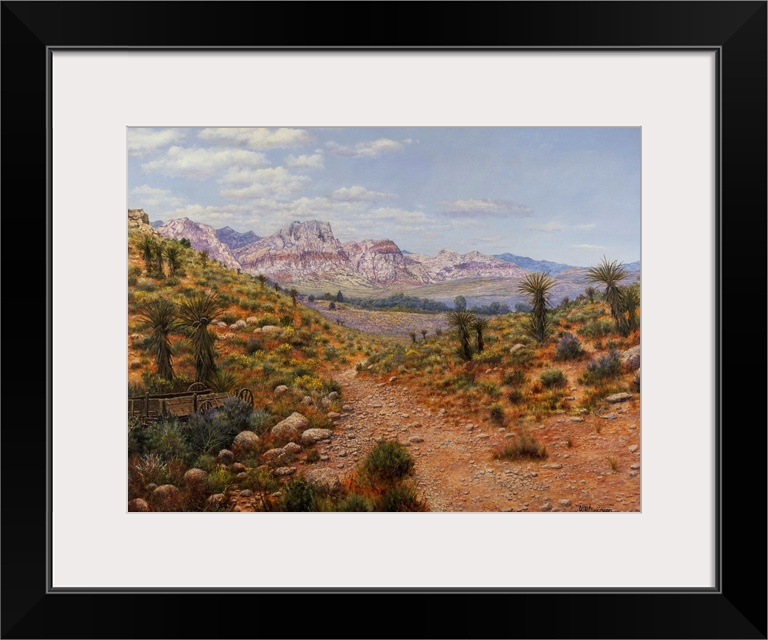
308	254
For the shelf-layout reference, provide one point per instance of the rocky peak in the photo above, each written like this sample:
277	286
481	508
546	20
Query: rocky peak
139	219
202	238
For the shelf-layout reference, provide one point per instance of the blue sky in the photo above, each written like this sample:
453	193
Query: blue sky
565	194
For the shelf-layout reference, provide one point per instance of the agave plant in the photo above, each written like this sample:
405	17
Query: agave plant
630	301
160	316
480	325
462	321
610	274
196	314
536	286
173	255
147	246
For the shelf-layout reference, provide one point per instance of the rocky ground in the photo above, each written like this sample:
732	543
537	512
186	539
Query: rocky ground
455	469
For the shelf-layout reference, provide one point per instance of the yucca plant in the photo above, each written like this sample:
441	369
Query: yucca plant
590	293
537	286
173	255
159	315
196	313
293	293
630	301
147	246
262	280
610	274
159	256
479	325
462	321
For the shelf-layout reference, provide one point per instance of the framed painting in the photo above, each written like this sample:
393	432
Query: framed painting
359	237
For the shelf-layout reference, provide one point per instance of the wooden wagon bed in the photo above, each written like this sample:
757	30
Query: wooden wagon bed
181	405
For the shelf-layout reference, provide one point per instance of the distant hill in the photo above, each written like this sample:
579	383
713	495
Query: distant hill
157	224
234	239
529	264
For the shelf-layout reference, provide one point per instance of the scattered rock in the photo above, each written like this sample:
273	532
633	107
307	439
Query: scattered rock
634	466
555	466
240	324
138	504
415	439
306	400
274	456
135	363
241	476
325	477
237	467
217	500
633	448
284	471
291	426
280	390
333	415
564	502
393	378
251	320
619	397
311	436
194	476
609	416
246	493
225	456
257	330
292	447
333	395
246	441
633	426
631	357
515	348
151	486
270	328
347	407
547	506
164	497
576	419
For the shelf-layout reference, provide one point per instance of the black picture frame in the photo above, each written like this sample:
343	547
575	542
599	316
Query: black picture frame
736	608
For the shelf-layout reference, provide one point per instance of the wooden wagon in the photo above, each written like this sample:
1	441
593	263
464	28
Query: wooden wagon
196	399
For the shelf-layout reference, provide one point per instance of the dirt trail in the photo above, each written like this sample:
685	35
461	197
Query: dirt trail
455	470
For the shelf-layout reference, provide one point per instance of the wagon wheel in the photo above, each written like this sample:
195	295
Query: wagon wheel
197	386
246	396
205	405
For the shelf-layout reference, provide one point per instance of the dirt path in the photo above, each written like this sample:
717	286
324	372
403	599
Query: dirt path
455	470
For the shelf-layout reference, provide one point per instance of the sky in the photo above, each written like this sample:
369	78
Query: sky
564	194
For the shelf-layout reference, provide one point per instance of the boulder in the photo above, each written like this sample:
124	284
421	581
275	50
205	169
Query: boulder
333	395
194	476
225	457
138	505
306	400
311	436
292	447
324	477
217	500
619	397
291	426
517	347
245	441
280	390
274	456
270	328
284	471
631	357
251	320
237	467
165	497
240	324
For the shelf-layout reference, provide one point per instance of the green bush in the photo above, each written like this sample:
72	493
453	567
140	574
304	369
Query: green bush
298	495
553	378
604	368
387	463
497	413
400	497
596	329
524	446
568	348
354	502
514	378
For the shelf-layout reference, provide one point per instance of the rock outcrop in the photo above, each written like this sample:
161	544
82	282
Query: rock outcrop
202	237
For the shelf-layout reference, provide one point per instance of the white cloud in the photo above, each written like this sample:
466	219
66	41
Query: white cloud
155	201
315	161
590	247
485	207
143	141
550	227
215	215
359	194
257	138
369	149
192	162
263	183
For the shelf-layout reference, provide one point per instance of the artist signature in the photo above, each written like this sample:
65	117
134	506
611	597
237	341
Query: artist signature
589	507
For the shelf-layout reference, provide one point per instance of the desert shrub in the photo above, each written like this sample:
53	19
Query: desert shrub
636	382
218	480
213	430
514	378
260	480
166	438
568	348
229	318
313	456
400	497
515	396
354	502
522	356
298	495
491	388
596	329
222	380
552	378
330	352
138	437
497	413
604	368
387	463
260	421
524	446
